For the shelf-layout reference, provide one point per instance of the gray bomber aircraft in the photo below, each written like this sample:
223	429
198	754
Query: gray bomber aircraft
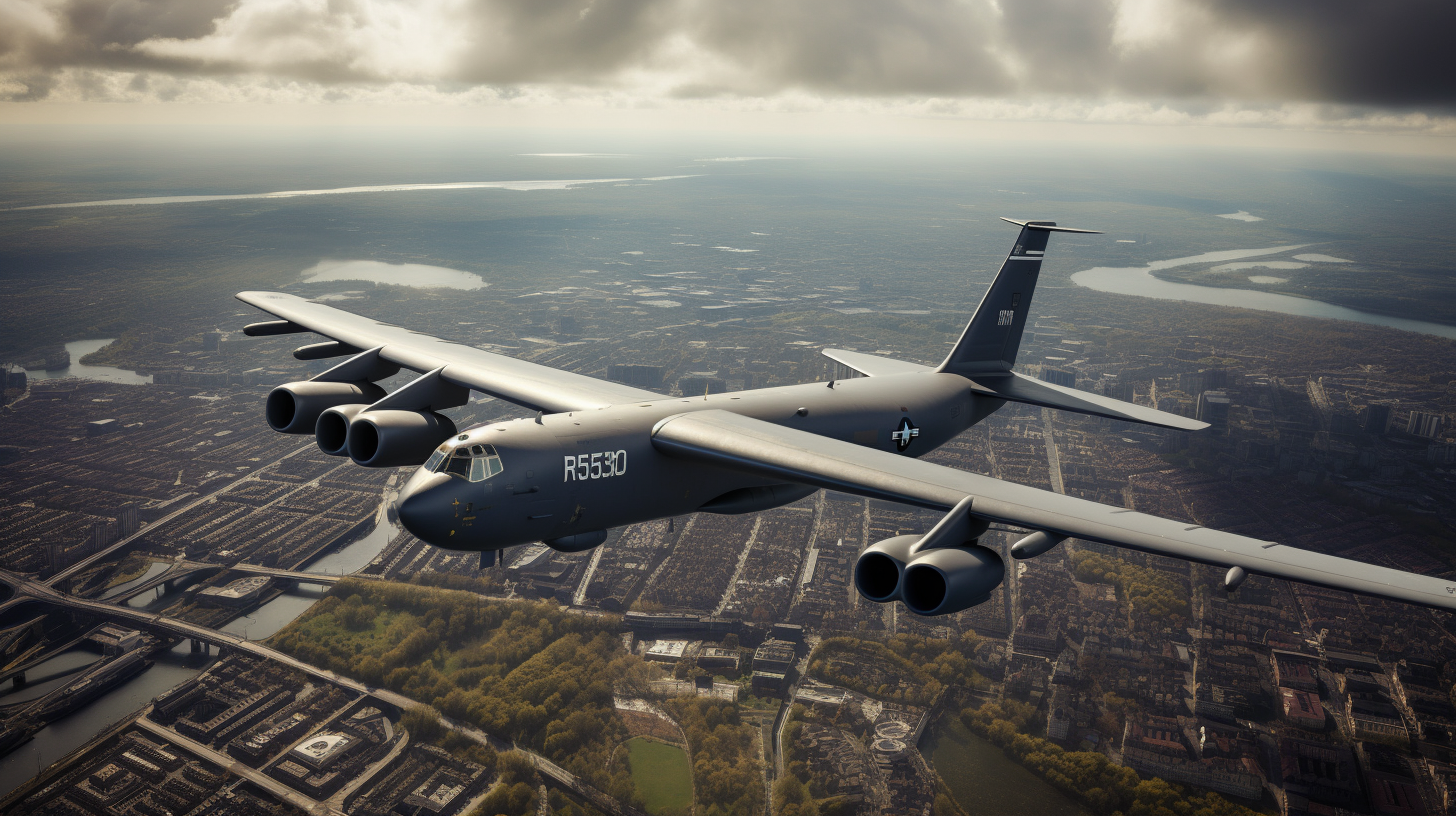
600	455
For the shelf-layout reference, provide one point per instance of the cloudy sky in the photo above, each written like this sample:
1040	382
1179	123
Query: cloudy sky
1365	65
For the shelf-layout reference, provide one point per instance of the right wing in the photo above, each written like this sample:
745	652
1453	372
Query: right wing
534	386
786	454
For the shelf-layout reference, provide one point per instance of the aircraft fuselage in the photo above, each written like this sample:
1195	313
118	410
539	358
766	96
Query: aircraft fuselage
563	475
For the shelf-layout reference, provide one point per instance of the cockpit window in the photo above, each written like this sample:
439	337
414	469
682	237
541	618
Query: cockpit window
474	462
459	465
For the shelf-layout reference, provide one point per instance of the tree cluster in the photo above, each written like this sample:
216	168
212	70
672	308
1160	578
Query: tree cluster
1151	596
1088	776
801	791
905	668
523	671
726	774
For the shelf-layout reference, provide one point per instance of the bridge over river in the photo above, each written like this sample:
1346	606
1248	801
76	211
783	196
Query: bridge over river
26	590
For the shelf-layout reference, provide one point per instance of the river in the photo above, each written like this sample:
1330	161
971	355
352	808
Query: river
170	668
81	348
1139	281
69	733
153	570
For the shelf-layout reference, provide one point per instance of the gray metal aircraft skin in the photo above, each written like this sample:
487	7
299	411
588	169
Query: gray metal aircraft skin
602	455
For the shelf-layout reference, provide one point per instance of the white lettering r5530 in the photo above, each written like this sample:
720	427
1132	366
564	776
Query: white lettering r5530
600	465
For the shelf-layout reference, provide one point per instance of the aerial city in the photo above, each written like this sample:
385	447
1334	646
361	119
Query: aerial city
599	408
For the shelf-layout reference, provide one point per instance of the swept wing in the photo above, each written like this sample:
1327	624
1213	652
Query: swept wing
754	446
534	386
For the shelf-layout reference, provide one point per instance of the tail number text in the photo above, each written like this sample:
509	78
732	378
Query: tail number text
595	466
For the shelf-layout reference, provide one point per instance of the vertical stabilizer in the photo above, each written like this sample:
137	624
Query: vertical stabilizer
992	338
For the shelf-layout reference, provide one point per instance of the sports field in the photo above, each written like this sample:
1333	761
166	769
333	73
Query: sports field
661	774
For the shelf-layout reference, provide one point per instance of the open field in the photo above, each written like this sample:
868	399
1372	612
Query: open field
661	775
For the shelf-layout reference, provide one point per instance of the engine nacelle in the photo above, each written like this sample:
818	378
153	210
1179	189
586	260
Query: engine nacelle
332	429
950	579
880	567
396	438
295	407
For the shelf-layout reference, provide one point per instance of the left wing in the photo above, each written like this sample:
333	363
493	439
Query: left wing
785	454
534	386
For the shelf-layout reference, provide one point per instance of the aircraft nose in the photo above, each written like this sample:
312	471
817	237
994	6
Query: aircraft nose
426	507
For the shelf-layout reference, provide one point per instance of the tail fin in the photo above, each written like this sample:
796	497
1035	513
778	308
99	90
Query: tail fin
992	338
987	348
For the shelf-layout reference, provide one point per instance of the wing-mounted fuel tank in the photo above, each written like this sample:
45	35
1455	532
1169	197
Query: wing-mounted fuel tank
754	499
941	572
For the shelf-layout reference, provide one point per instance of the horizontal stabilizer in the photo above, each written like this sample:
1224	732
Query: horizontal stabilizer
1048	226
1017	388
873	365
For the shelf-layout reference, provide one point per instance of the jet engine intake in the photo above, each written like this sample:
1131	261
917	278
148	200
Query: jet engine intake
332	429
880	567
950	579
396	438
295	407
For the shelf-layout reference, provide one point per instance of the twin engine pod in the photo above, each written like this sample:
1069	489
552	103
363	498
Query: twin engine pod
294	408
396	438
336	413
934	581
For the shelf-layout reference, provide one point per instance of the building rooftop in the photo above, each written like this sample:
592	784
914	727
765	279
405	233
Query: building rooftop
322	749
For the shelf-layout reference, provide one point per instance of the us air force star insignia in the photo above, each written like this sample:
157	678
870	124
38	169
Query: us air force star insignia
904	434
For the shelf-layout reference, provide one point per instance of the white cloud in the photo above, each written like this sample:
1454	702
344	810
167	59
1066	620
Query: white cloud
420	41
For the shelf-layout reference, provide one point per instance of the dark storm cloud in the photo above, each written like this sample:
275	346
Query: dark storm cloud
1353	51
101	33
1391	53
